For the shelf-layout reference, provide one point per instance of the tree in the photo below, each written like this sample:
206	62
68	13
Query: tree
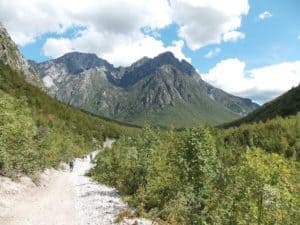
197	163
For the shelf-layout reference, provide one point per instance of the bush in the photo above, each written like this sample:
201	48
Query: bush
37	131
189	178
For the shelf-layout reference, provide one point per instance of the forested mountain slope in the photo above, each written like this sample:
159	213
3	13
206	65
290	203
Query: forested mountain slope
284	105
37	131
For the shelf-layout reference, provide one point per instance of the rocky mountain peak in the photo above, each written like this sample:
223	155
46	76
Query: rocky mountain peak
147	67
168	58
140	62
161	90
163	86
77	62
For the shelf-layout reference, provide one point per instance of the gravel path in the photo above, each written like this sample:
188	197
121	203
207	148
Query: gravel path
63	198
50	203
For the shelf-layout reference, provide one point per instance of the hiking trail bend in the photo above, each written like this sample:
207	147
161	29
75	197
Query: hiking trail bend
62	198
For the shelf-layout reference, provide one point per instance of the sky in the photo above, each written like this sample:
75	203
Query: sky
249	48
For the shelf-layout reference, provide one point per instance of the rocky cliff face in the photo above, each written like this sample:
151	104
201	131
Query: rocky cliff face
241	106
81	80
10	55
127	77
162	90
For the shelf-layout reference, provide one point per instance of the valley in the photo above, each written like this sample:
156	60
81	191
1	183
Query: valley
113	122
162	91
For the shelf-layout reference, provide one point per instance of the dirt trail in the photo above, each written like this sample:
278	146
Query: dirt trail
49	204
63	198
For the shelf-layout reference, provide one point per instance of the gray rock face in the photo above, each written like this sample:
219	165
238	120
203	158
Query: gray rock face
241	106
10	55
159	90
146	67
81	80
77	62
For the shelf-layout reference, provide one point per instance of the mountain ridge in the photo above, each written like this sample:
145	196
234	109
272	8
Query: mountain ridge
140	92
141	70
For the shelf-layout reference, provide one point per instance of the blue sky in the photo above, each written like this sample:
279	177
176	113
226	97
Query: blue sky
269	41
248	48
34	51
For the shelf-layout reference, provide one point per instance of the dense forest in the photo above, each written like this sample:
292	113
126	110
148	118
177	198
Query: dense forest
278	135
37	131
243	175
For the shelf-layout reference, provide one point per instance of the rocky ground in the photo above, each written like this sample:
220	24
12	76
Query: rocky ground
62	198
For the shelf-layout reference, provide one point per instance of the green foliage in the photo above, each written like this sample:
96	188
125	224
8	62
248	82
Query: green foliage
196	177
277	135
36	131
196	161
17	132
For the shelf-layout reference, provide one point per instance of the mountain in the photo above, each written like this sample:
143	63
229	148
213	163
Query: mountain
10	55
284	105
162	90
147	67
36	130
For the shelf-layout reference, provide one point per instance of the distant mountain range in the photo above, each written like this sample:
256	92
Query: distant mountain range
284	105
162	91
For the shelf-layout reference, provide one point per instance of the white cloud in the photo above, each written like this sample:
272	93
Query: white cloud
122	50
204	22
260	84
265	15
233	36
124	54
298	37
122	30
26	21
212	53
57	47
112	29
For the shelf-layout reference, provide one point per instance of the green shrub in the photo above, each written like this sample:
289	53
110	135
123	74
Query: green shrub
37	131
190	178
